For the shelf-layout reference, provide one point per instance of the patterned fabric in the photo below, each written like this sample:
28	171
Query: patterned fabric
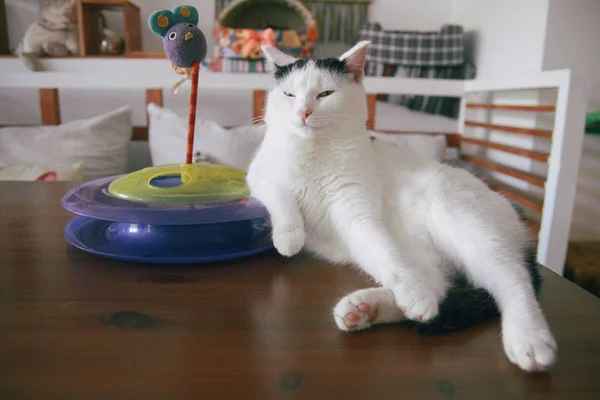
245	43
447	106
422	49
433	55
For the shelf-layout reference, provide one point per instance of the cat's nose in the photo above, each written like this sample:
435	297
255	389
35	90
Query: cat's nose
304	114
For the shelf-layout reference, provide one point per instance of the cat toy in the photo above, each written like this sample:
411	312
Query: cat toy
185	47
176	213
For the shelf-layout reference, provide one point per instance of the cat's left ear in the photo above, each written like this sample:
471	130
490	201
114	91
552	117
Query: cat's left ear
355	59
276	58
187	14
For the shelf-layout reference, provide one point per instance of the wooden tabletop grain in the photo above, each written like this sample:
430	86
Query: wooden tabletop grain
75	326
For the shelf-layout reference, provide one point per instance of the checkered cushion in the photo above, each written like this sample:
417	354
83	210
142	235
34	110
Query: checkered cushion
416	49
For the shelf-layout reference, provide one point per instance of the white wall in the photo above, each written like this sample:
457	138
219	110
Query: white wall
572	42
508	34
411	14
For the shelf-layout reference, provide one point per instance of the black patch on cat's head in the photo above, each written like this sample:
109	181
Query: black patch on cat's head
333	65
282	72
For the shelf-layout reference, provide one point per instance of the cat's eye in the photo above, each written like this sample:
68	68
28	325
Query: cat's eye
190	25
324	94
172	35
288	94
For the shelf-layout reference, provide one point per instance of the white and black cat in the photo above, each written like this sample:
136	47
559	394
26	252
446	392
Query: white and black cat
411	223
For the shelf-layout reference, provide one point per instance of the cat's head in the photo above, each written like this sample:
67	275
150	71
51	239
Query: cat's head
317	97
60	14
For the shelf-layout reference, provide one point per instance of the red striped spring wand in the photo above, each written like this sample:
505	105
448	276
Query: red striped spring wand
185	46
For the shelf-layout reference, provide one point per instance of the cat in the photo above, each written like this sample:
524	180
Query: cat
55	35
410	223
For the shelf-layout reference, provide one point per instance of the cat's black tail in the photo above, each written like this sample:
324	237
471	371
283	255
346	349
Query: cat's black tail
466	305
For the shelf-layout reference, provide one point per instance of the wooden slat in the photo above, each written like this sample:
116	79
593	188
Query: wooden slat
139	133
88	30
371	107
512	129
503	169
153	96
133	30
259	99
534	155
511	107
4	44
49	106
521	197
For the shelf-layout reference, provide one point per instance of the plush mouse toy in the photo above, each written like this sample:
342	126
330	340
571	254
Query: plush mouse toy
183	41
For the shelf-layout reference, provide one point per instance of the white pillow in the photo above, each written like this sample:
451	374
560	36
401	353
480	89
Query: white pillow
100	143
36	173
167	138
394	117
431	146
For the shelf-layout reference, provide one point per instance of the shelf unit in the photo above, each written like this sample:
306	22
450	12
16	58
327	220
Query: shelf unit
88	15
139	72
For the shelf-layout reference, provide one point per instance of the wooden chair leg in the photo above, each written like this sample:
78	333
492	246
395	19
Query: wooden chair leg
49	106
259	98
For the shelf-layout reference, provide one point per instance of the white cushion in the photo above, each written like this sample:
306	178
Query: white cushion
431	146
393	117
100	143
36	173
167	137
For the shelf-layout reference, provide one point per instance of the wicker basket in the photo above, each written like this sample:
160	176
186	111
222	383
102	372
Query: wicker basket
244	25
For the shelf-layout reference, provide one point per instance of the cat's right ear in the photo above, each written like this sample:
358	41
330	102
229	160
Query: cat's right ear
160	22
276	58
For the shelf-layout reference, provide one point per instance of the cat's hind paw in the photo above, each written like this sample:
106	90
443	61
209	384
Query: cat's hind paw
532	349
417	304
288	240
364	308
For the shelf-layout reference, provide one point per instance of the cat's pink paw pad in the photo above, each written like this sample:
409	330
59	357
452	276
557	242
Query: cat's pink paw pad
349	316
364	307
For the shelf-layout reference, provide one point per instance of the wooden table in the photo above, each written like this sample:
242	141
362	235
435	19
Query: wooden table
74	326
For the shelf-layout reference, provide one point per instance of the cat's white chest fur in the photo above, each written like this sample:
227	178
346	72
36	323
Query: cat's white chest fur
317	176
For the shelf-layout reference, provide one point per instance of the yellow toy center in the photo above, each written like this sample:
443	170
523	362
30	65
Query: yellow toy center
163	21
185	12
182	183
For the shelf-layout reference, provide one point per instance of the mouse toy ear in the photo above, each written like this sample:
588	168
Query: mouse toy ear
161	21
186	14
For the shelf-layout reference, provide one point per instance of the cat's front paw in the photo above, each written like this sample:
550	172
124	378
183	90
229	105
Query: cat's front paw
366	307
416	302
288	240
532	348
